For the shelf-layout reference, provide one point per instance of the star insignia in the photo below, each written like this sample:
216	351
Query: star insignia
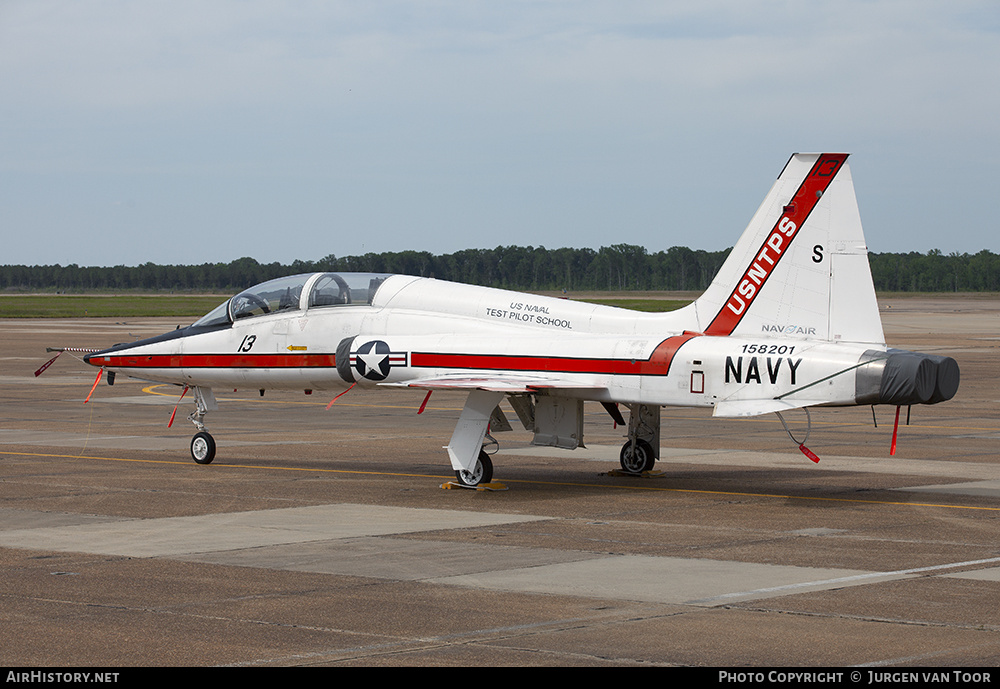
371	361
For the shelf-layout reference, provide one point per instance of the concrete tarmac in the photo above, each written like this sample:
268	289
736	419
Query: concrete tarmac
324	537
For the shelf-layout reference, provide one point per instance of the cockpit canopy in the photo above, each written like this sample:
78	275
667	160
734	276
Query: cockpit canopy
297	292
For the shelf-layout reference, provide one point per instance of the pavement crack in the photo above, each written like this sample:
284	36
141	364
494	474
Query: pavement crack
869	618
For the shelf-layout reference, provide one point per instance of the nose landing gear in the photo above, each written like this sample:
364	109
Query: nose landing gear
202	444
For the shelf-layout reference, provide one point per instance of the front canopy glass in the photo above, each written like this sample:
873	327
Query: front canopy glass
285	294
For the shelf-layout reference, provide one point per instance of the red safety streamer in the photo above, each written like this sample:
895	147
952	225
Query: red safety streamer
341	395
424	403
98	380
46	365
895	429
809	453
172	415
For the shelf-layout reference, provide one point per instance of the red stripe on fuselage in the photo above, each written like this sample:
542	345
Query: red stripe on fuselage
657	364
777	243
215	361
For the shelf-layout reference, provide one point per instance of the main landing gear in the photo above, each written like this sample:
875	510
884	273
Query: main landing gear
482	472
202	444
640	451
637	456
472	466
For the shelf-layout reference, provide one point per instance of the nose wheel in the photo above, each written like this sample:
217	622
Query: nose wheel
203	448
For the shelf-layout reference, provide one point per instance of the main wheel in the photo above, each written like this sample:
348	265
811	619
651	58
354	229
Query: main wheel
481	473
203	448
638	461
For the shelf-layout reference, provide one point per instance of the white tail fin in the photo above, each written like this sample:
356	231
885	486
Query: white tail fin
801	267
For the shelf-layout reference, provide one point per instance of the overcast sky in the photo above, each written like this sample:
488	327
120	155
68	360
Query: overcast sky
186	132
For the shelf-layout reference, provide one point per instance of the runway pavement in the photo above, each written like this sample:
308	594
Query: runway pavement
324	537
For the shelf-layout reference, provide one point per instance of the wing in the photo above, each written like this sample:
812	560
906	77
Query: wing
760	406
505	384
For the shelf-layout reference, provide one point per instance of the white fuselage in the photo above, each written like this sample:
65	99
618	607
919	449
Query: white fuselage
440	330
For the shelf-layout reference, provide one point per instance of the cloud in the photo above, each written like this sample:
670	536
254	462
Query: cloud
442	125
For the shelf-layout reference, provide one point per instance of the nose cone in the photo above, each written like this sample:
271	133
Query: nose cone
115	355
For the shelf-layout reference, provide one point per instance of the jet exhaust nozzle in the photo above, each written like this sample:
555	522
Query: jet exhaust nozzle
901	378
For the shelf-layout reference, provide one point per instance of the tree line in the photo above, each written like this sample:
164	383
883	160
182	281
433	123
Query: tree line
616	267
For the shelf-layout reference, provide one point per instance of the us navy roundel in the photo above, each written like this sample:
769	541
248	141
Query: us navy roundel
374	359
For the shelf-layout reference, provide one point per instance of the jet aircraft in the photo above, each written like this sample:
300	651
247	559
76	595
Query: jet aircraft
790	322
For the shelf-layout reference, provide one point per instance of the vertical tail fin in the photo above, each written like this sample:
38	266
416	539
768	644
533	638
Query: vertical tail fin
800	269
